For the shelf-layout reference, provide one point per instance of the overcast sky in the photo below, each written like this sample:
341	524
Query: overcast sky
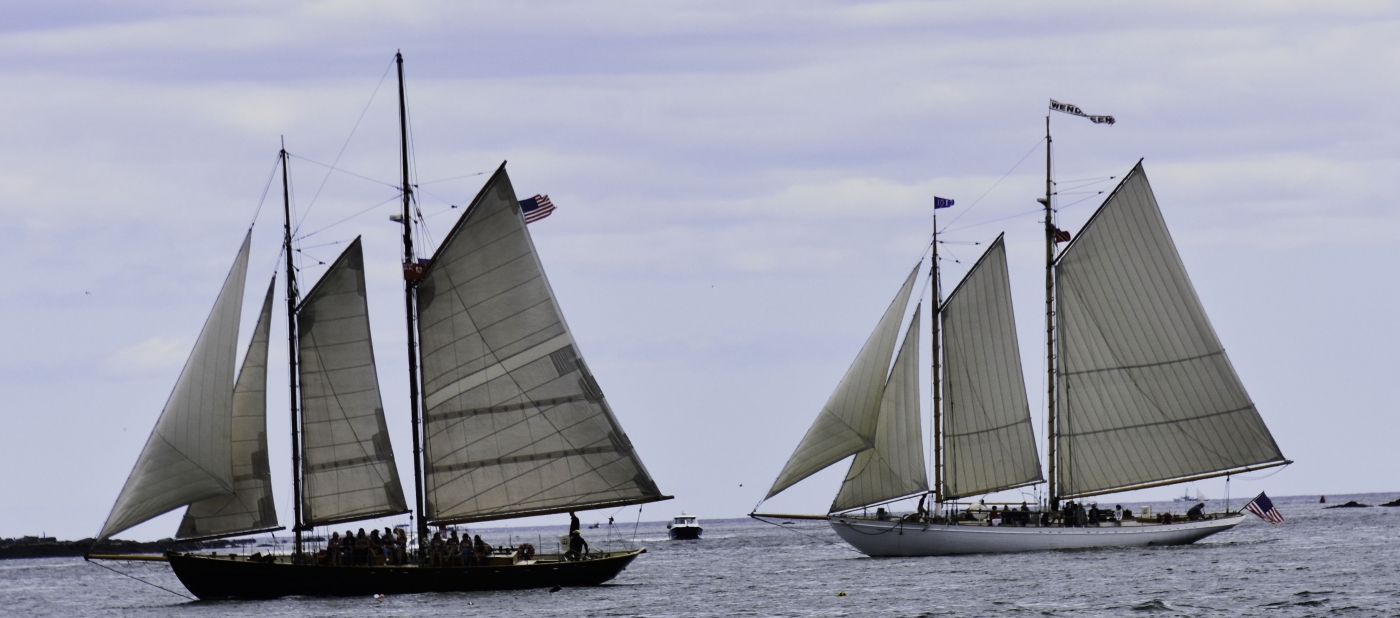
741	189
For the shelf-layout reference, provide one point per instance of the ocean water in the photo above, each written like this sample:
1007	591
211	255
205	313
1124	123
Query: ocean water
1342	562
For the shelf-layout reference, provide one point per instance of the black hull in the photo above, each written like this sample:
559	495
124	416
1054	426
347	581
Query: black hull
210	577
685	534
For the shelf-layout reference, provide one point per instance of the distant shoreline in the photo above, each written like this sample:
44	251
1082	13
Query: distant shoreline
50	547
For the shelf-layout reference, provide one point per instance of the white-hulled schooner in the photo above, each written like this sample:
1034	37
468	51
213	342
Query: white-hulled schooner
510	422
1141	395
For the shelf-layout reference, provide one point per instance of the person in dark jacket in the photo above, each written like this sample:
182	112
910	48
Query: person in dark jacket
1197	512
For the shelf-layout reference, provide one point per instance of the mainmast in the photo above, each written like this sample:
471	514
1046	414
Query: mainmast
410	291
292	346
937	371
1051	233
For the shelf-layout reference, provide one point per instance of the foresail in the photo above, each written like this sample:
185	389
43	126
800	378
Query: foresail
894	466
1146	391
250	508
348	469
846	424
515	423
187	458
988	438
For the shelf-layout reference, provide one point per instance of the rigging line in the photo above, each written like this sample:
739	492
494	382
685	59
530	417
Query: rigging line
319	261
1081	185
1260	478
433	182
811	536
968	227
994	185
349	137
305	236
343	171
336	242
143	581
1079	201
262	200
1094	179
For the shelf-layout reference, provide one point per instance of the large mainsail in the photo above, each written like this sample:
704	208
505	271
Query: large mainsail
988	438
348	469
187	458
250	508
1146	391
846	424
514	422
894	465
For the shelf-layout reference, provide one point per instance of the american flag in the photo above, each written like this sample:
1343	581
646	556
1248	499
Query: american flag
536	208
1262	506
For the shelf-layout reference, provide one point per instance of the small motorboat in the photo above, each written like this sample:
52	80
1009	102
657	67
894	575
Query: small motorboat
684	526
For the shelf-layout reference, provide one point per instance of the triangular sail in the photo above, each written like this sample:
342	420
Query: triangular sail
348	469
1146	391
515	423
988	438
846	424
250	508
187	458
894	467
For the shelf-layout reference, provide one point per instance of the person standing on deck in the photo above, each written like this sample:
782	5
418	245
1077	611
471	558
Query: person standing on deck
573	523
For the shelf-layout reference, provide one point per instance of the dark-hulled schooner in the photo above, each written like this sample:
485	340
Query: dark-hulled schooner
507	419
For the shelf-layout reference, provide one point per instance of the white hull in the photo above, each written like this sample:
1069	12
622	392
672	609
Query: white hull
895	538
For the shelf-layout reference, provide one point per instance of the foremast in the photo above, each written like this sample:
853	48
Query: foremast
937	318
1051	416
410	292
292	352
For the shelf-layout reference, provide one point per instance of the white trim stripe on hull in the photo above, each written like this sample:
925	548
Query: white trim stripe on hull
897	538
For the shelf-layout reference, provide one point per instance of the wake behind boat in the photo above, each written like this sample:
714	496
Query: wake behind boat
507	422
1141	394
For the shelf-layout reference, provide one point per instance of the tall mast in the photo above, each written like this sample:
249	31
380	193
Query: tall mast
1052	418
292	356
937	372
410	291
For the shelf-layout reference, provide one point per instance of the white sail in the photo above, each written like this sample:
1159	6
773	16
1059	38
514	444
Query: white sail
988	438
348	469
894	466
188	457
515	423
1146	392
846	424
250	508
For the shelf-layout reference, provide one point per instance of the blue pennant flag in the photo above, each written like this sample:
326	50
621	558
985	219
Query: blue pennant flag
942	202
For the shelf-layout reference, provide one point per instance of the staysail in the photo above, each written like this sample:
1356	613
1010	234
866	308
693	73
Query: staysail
514	424
846	424
250	508
894	466
988	438
348	469
1146	392
188	456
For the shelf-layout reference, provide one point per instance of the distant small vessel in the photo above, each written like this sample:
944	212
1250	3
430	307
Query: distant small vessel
684	527
1187	497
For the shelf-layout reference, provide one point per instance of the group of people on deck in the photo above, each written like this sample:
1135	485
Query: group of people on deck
466	551
1077	515
373	549
391	548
